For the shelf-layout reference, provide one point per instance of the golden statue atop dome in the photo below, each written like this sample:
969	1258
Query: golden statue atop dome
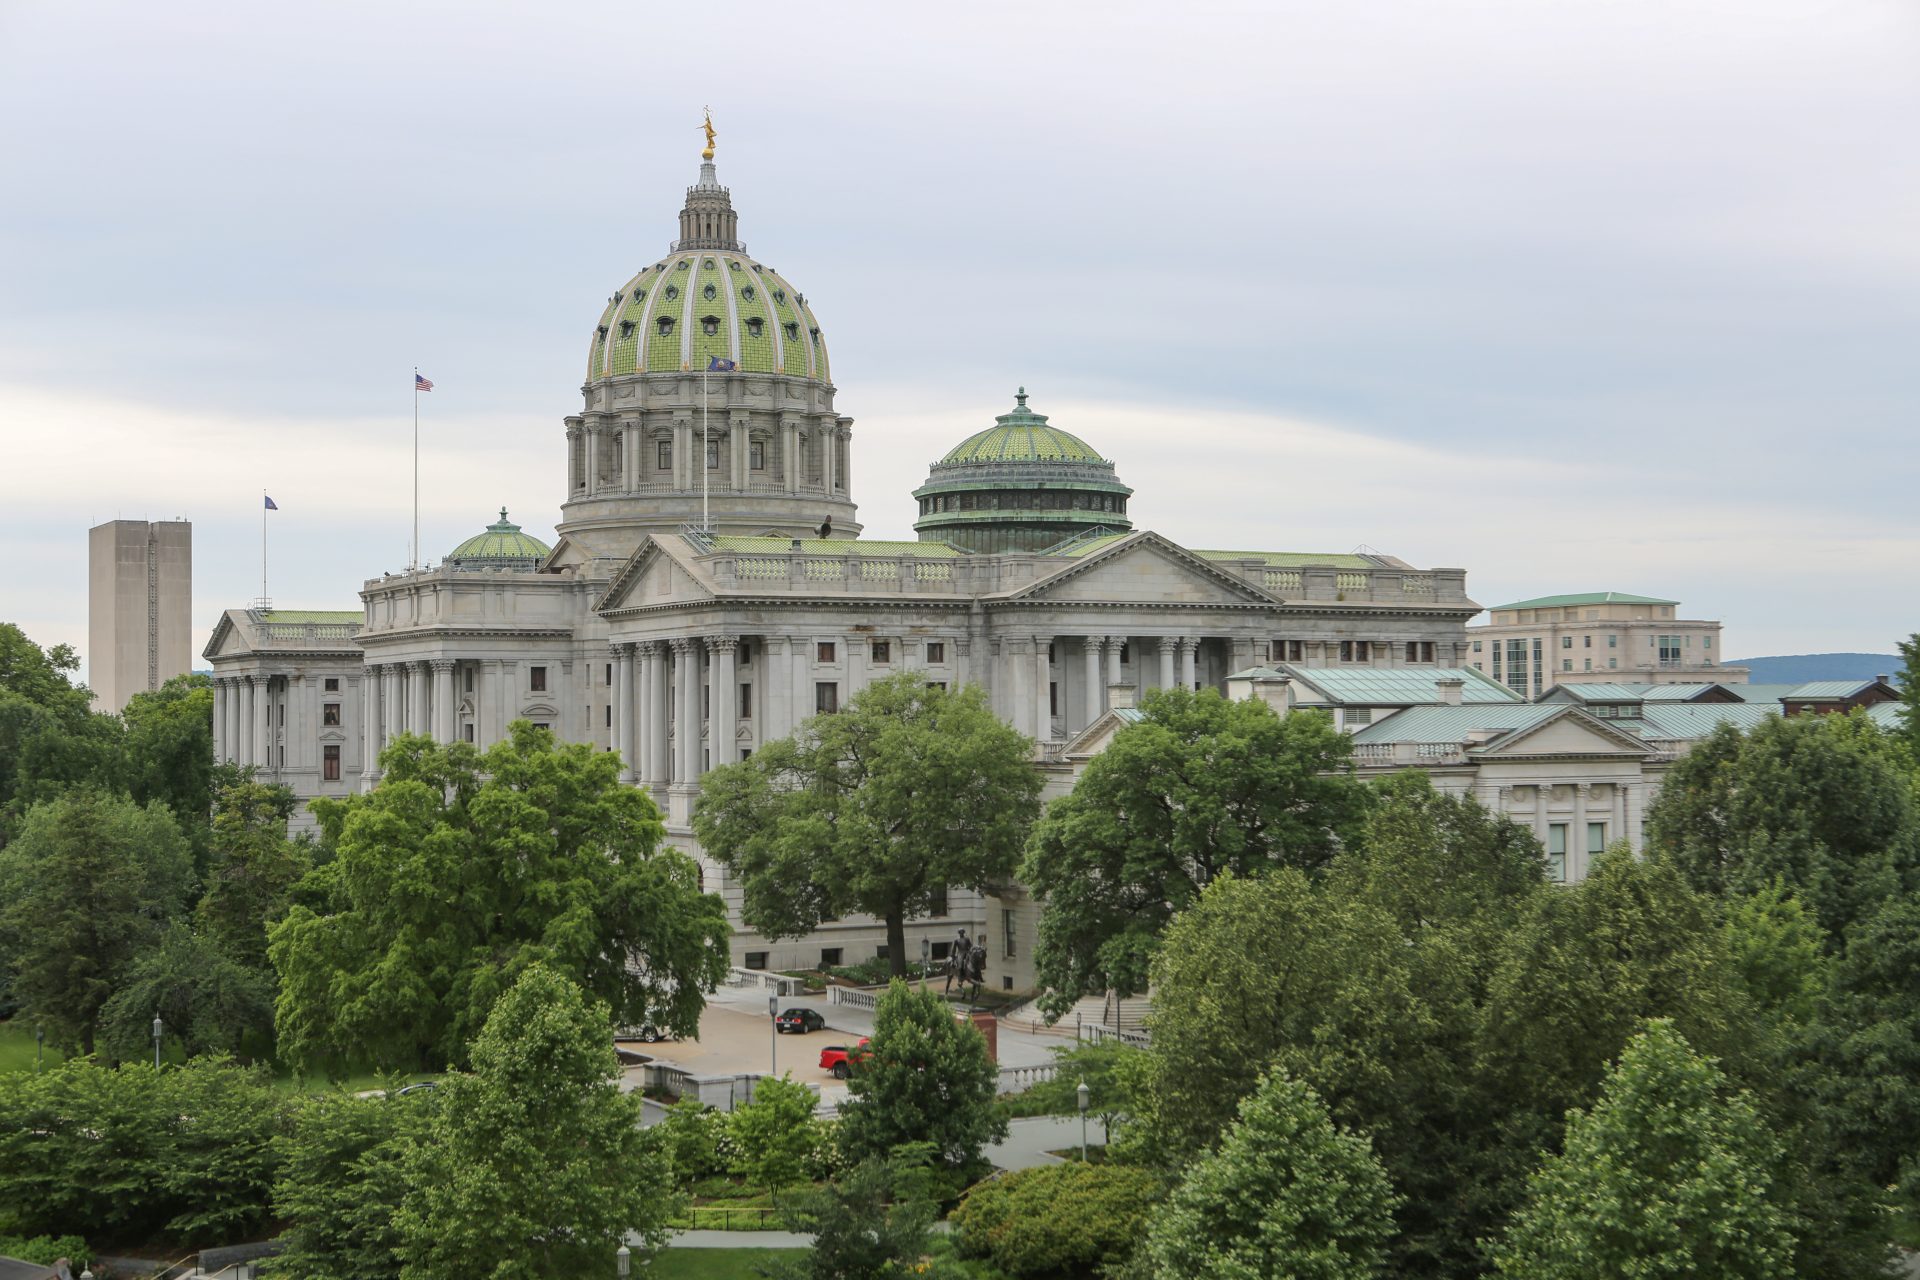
707	154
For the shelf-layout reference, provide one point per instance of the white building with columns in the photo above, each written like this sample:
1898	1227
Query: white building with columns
708	590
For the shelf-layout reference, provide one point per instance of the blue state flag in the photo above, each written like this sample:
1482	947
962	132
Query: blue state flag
719	365
272	505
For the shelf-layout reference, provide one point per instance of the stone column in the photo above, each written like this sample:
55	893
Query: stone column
683	460
417	722
249	727
829	459
592	441
789	459
1167	647
724	719
800	688
220	738
1188	647
642	764
393	711
630	456
777	675
1577	854
443	700
686	710
1042	688
659	765
1114	645
845	470
485	713
369	725
622	694
1096	703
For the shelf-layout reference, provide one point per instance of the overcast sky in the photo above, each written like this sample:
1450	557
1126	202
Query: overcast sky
1621	294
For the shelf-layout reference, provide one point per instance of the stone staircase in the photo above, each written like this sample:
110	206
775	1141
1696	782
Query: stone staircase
1128	1016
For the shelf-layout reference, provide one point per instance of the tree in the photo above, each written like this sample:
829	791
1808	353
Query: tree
863	1228
209	1003
1867	1043
927	1078
1196	788
1910	694
1669	1174
252	868
342	1177
169	752
1778	953
1818	803
1288	1195
775	1134
1264	974
88	884
49	737
463	869
1063	1219
535	1165
877	809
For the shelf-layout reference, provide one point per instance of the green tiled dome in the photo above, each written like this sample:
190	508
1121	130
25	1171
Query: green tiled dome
502	546
707	300
1022	436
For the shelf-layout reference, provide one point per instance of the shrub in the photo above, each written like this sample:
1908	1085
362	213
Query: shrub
697	1141
46	1250
1060	1218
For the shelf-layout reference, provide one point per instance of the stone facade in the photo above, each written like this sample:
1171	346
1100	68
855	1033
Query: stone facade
139	607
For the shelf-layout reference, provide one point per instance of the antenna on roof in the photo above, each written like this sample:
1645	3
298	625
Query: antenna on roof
1364	550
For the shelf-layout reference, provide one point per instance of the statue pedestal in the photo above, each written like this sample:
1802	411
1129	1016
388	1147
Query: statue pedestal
989	1026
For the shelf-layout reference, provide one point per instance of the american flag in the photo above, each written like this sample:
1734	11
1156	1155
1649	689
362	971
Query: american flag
421	384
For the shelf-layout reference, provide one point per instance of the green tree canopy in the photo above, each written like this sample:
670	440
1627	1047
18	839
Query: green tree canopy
1288	1196
863	1228
1198	787
1867	1042
927	1079
775	1134
342	1178
168	750
877	809
535	1165
1818	803
252	868
1063	1219
1669	1175
208	1002
89	883
462	869
1910	694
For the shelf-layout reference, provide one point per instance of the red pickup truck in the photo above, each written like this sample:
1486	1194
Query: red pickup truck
839	1058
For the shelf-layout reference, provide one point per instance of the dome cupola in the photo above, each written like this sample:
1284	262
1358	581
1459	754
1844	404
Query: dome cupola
1020	485
502	546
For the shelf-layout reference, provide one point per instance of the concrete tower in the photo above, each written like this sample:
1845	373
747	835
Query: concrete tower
139	607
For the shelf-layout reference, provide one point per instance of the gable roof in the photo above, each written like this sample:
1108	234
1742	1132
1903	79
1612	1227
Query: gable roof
1395	686
1611	691
1825	690
1584	597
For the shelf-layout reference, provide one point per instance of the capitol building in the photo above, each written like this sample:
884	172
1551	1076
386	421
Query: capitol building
708	589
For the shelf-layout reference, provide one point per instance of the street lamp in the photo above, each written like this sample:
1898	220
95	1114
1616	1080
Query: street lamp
773	1035
158	1027
926	961
623	1262
1082	1093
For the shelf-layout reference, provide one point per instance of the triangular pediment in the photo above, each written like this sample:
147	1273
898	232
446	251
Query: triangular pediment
1572	733
652	575
228	638
1146	569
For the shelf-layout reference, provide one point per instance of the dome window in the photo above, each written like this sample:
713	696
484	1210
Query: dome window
710	325
639	294
816	336
666	325
779	295
733	264
673	291
754	326
626	328
746	291
603	333
711	293
617	295
707	265
684	264
793	331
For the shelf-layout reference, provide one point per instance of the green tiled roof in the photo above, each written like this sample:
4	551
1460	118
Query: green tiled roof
309	615
1762	692
1689	720
760	321
1021	436
501	543
1828	689
835	547
1292	559
1588	597
1397	686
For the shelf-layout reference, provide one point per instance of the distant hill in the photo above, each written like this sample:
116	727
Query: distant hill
1802	667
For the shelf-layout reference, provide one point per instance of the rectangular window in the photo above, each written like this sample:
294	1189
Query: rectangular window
330	713
755	959
1587	642
936	652
332	685
937	901
757	455
609	675
882	651
330	762
826	698
542	724
665	455
937	684
1006	932
1359	715
1589	665
609	710
1053	697
823	651
941	950
746	702
1557	851
469	679
1051	655
1613	642
1566	664
1670	651
1566	642
537	679
1356	651
1419	651
1476	646
746	652
713	454
1612	663
1596	837
1126	653
469	732
1706	642
829	957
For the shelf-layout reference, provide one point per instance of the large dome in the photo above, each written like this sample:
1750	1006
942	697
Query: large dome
1020	485
707	300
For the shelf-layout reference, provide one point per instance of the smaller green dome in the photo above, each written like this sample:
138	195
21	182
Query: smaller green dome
1022	436
502	546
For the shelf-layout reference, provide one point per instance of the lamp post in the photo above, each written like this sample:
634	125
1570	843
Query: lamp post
773	1035
39	1045
1082	1093
158	1027
623	1262
926	961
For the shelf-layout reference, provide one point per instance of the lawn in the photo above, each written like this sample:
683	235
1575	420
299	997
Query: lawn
16	1048
713	1264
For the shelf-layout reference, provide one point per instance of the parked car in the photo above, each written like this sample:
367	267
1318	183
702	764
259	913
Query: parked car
839	1058
651	1034
800	1021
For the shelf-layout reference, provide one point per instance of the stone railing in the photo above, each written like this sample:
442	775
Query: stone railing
854	998
777	983
1100	1034
304	635
1021	1079
1408	753
1308	584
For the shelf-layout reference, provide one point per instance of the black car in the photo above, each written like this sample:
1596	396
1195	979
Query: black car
800	1021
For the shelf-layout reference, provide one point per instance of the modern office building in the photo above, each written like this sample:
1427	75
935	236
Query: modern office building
1596	636
139	607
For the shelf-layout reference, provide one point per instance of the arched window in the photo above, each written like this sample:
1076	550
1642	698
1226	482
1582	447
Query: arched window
746	291
673	291
710	293
754	326
666	325
793	331
626	328
710	325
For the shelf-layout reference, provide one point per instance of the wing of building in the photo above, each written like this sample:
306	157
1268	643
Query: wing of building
708	590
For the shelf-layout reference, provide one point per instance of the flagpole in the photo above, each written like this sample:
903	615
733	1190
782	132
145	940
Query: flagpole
706	525
263	549
415	562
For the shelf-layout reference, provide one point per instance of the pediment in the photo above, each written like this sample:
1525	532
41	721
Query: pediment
652	575
1570	734
227	640
1146	569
